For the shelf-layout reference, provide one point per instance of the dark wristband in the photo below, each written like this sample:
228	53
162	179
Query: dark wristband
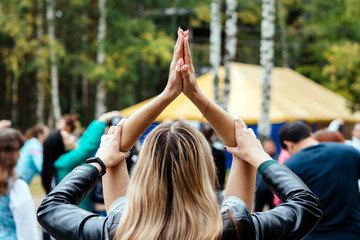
100	162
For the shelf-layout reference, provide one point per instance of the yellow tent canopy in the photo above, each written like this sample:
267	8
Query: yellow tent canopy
293	97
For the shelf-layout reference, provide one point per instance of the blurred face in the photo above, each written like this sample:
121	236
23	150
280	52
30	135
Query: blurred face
269	147
61	124
68	140
356	131
42	136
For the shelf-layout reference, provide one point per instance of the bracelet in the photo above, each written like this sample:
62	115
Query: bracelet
100	162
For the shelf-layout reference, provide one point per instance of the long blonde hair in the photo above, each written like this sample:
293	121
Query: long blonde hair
171	192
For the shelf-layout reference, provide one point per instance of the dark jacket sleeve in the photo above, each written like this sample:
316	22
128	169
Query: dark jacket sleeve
293	219
59	214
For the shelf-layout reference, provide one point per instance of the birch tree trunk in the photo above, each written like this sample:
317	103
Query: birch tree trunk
100	58
40	70
284	48
215	45
230	46
266	60
50	16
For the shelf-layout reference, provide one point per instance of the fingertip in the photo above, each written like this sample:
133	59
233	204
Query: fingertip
111	130
184	68
121	122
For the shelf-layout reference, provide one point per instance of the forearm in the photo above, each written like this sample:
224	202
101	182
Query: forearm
115	183
138	122
220	120
61	203
241	182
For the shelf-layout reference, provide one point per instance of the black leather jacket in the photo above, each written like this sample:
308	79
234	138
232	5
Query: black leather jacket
293	219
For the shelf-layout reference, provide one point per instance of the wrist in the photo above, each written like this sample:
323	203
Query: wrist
97	166
194	94
98	163
263	166
168	95
260	159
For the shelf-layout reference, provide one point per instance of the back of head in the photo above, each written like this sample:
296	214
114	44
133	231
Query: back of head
208	132
324	135
11	141
68	123
36	130
53	149
171	191
294	132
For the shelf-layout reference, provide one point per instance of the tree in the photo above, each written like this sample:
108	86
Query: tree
50	16
215	45
40	66
100	58
230	46
266	56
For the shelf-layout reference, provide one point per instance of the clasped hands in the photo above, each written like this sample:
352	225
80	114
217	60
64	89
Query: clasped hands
182	73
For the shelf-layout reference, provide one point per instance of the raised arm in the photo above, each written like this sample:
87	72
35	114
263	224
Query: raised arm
223	124
248	150
116	179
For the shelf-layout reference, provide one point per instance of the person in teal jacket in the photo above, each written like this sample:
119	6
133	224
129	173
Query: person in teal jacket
63	152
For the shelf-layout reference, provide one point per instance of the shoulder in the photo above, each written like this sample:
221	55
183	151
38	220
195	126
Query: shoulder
19	193
344	148
115	212
20	185
237	219
236	206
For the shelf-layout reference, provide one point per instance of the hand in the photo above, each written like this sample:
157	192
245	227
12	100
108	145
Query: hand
174	85
188	71
109	151
105	117
248	147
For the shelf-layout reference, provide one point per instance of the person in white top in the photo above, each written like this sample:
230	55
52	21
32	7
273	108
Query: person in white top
17	218
355	139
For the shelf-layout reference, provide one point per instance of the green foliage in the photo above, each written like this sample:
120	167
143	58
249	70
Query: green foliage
343	70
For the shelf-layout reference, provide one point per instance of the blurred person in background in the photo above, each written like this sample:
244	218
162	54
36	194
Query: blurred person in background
218	154
31	154
70	124
355	139
63	152
263	196
331	170
324	135
17	218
